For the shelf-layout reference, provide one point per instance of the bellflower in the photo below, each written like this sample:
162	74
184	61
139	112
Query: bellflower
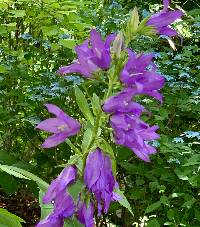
122	103
85	214
162	20
133	133
62	127
99	179
136	75
63	203
93	55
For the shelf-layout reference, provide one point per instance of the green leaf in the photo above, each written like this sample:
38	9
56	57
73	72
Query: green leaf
83	105
87	138
2	31
8	219
46	209
20	173
68	43
72	222
153	223
75	189
18	13
7	159
2	69
152	207
123	201
164	200
96	106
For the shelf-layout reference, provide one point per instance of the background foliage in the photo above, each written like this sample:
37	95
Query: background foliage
36	37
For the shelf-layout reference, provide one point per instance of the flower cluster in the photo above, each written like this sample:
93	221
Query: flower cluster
138	76
161	21
129	130
99	180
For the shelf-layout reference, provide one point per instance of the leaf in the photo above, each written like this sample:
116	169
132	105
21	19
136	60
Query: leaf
20	173
72	222
5	158
46	209
69	43
164	200
2	69
75	189
83	105
152	207
8	183
153	223
96	106
18	13
8	219
87	138
123	201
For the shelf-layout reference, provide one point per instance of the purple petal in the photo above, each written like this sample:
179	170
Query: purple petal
96	42
75	68
54	140
167	31
109	39
166	5
51	125
164	19
93	167
85	214
51	220
64	205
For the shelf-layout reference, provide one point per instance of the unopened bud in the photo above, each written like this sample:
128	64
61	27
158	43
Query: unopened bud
117	44
134	21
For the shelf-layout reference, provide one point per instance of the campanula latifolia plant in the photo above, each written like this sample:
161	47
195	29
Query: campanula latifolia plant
127	75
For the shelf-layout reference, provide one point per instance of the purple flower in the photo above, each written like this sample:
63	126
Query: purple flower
62	127
122	103
161	20
85	214
91	58
57	194
99	179
133	133
136	75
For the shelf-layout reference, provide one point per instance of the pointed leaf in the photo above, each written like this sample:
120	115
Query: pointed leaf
83	105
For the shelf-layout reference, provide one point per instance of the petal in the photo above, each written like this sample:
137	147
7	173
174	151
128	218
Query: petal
51	125
51	220
85	214
109	39
53	141
142	155
96	42
93	167
165	18
64	205
75	68
165	4
51	192
143	61
167	31
56	111
67	176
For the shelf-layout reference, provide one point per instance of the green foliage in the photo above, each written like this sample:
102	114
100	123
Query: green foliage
8	219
